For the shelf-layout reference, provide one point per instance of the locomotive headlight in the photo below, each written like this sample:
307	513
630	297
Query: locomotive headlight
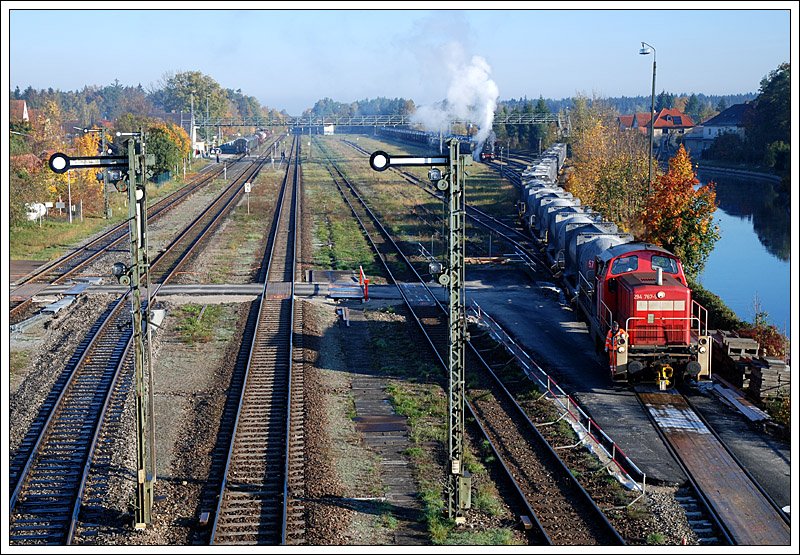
661	294
702	350
621	349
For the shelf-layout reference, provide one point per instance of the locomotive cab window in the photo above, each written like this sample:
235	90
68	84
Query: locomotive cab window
625	264
667	264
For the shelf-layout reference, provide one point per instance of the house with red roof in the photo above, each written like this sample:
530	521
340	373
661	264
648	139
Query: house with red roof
625	122
669	126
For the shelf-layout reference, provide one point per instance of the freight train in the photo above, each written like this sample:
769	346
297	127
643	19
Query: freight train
408	135
612	277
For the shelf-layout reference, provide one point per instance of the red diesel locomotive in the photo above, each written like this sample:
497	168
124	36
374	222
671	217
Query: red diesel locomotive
614	278
644	289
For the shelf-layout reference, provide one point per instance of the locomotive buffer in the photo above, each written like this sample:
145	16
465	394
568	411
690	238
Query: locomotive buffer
451	183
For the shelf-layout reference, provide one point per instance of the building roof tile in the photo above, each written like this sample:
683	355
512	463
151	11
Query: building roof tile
733	116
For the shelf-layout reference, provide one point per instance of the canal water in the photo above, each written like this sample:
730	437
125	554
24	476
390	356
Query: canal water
750	263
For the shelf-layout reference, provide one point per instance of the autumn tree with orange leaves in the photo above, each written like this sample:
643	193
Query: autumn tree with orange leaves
680	217
609	165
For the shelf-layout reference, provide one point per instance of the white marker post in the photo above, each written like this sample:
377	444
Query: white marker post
247	190
69	197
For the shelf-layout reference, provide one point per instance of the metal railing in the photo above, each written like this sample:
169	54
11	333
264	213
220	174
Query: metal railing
702	317
563	121
590	429
657	332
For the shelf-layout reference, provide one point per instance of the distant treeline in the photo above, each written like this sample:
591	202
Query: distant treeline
698	105
368	107
94	103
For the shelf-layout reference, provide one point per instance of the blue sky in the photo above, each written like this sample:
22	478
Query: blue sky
290	58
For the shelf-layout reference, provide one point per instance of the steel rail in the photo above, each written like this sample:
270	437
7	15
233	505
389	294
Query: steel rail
91	346
609	529
255	492
210	494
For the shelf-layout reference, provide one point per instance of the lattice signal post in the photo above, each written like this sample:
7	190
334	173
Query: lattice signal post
130	172
451	183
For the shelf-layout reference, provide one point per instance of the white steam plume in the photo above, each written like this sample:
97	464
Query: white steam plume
471	95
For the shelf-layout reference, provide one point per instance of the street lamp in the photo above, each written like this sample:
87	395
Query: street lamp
645	50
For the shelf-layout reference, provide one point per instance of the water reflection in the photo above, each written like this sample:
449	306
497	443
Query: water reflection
760	202
750	262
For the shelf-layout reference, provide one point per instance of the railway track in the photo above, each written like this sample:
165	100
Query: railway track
262	462
67	266
563	512
723	503
177	254
46	484
732	503
50	469
513	236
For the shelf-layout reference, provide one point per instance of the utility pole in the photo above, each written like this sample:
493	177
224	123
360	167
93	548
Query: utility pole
102	175
106	204
645	50
69	197
193	134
